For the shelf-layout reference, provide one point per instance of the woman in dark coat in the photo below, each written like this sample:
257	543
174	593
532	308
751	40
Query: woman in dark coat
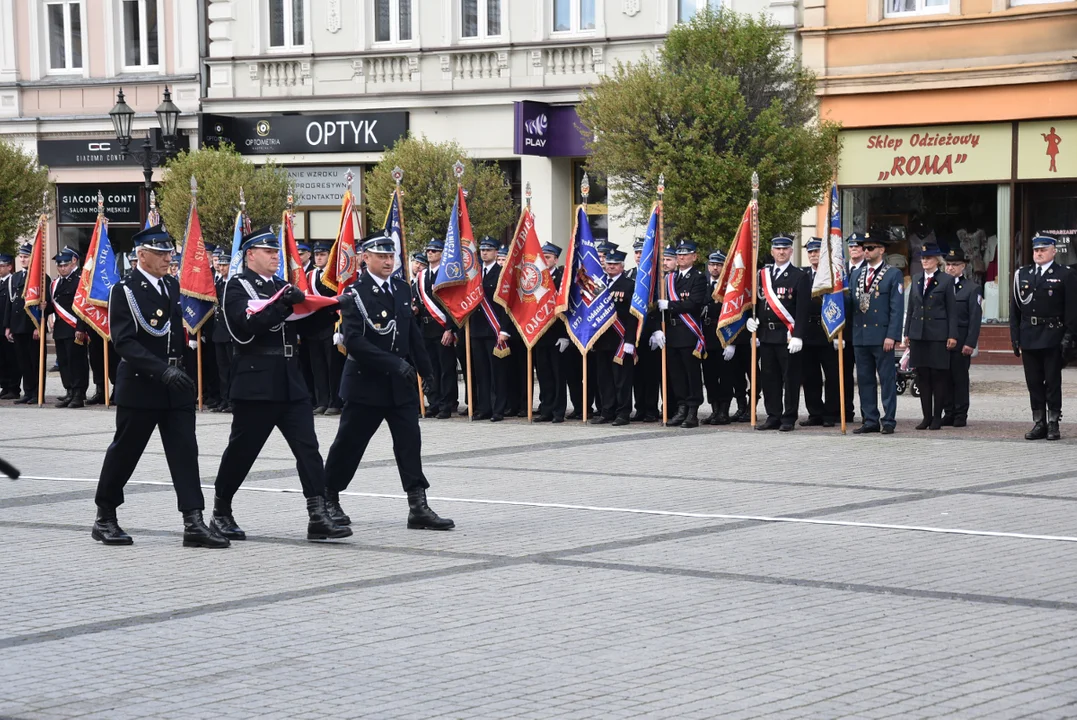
930	334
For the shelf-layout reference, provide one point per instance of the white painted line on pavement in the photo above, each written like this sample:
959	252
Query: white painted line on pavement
636	511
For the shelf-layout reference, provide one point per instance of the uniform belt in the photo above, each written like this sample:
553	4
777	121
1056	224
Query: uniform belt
175	362
1043	320
774	326
285	350
426	320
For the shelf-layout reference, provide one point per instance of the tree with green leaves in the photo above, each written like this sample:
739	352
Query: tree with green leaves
723	99
429	188
23	184
220	173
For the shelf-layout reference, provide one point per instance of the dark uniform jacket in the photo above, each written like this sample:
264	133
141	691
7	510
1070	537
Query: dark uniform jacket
621	294
371	374
319	325
968	305
220	330
692	294
5	286
1043	308
63	297
15	317
793	289
885	313
429	325
556	329
138	317
931	315
480	326
814	332
712	309
266	362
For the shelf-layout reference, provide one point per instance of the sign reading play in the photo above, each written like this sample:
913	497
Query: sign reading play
275	134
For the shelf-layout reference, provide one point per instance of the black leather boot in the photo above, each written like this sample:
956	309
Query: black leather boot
1039	430
321	526
421	517
78	399
223	522
692	419
64	400
98	398
679	417
196	534
107	530
335	511
1052	425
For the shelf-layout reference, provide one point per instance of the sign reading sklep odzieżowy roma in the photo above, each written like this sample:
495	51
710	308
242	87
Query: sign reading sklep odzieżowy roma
926	155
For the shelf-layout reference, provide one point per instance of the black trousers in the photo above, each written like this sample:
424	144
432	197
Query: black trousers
97	361
461	357
780	376
74	364
223	355
685	377
211	384
647	379
516	378
444	391
488	375
26	354
819	365
615	384
305	367
1043	376
9	366
712	373
553	391
734	377
957	404
572	369
133	430
325	372
934	384
358	423
252	422
849	371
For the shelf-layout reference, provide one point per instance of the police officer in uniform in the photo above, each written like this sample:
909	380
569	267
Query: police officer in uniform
69	331
553	390
439	336
876	290
820	356
614	350
267	388
930	334
385	348
968	304
326	363
20	328
152	391
9	364
1043	323
781	321
685	349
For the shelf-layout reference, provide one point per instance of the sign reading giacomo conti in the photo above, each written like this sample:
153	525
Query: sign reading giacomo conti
78	203
291	134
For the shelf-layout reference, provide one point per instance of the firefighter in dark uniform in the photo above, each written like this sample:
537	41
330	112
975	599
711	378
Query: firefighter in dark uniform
326	363
968	304
930	334
267	388
20	328
781	321
646	378
385	349
684	348
1043	324
69	332
439	337
553	390
488	373
220	338
614	349
820	356
714	362
652	329
9	364
516	362
152	391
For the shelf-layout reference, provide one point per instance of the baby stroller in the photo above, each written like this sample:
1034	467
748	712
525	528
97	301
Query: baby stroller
906	376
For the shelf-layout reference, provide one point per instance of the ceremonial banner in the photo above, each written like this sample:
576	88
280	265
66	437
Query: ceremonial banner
33	291
235	266
342	269
734	288
646	290
198	294
98	278
830	278
290	267
458	284
525	288
394	226
584	299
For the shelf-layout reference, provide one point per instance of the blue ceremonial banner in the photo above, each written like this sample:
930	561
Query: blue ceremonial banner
236	265
394	226
584	298
105	274
830	279
645	293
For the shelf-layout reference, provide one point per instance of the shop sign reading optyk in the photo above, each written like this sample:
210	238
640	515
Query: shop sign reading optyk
926	155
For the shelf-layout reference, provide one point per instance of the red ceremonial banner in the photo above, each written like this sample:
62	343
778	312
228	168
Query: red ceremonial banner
525	287
92	314
343	266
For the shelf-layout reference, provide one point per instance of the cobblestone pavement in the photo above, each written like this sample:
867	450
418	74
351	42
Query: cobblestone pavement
596	572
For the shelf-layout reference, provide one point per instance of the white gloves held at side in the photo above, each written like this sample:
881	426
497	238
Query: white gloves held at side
795	345
752	325
658	340
838	344
630	349
729	352
562	344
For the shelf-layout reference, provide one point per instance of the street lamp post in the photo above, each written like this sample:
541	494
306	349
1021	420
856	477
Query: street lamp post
167	117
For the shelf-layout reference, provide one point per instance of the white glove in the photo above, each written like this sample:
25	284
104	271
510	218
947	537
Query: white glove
562	344
838	344
503	335
338	338
663	304
795	346
729	352
630	349
752	325
658	340
193	344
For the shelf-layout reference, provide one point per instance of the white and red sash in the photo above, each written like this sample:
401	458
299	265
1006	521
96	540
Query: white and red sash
773	301
62	312
671	290
428	302
501	349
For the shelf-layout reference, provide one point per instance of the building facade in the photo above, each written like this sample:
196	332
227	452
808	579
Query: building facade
960	125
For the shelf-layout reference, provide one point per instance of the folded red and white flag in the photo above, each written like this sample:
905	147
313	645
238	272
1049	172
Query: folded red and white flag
312	304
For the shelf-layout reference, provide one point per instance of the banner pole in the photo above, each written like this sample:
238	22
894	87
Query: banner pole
470	385
841	375
105	340
530	388
662	293
586	402
198	363
755	290
42	305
